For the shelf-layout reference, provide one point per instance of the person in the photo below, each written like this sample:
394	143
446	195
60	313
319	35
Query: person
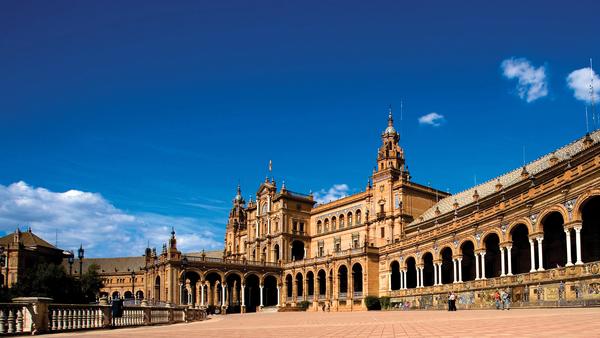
497	299
449	301
452	301
505	300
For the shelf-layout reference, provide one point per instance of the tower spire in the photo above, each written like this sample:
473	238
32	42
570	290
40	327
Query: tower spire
390	117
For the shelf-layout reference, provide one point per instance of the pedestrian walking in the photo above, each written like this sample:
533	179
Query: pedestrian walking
452	301
497	299
505	300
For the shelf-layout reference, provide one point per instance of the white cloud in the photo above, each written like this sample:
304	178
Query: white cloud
532	83
579	81
432	119
104	230
336	192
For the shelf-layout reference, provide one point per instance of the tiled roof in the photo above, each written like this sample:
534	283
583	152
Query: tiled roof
483	190
27	239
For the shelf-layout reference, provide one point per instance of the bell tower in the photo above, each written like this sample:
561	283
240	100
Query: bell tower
390	155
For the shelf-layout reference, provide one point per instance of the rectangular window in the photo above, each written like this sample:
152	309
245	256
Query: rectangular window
382	232
337	244
321	246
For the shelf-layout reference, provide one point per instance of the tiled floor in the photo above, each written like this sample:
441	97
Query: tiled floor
579	322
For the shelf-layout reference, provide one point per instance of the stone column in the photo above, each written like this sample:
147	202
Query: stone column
389	281
454	270
460	269
540	256
568	240
202	294
224	291
483	265
502	265
401	280
278	295
578	244
261	295
508	250
477	266
435	274
421	274
243	295
532	253
404	277
440	273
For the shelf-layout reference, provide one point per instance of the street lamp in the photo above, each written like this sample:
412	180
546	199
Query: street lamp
80	255
184	263
71	259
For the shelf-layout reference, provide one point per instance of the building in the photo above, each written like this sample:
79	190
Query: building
534	230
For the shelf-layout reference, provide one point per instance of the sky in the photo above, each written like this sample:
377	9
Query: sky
120	120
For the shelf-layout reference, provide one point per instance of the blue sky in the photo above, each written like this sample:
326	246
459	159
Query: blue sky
148	114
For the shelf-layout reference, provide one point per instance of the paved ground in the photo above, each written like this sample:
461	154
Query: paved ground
475	323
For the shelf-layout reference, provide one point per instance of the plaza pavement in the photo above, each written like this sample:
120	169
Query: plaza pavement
575	322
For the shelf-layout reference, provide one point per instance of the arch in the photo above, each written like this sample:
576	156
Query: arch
157	289
333	223
272	274
299	285
326	225
521	254
322	277
395	275
116	295
358	216
559	208
128	295
252	292
233	292
341	221
427	260
590	230
447	265
233	272
467	250
289	286
310	283
493	231
491	244
554	251
405	265
357	279
297	250
270	290
467	239
139	295
581	201
521	221
276	253
213	290
411	272
319	227
342	281
349	218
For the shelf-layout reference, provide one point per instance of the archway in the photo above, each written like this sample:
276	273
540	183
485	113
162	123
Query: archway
289	287
590	231
554	247
427	269
233	292
252	293
310	284
411	273
467	250
343	281
276	253
127	295
493	264
299	287
139	295
213	292
395	275
447	268
116	295
322	276
157	289
521	254
188	287
357	279
270	291
297	250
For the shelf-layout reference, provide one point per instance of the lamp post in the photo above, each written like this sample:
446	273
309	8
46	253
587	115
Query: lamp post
71	259
184	263
80	255
133	285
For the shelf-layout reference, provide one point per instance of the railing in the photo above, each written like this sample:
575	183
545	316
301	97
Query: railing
357	294
321	297
31	315
343	295
231	261
12	319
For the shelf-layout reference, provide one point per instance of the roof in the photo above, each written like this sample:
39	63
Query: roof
27	239
126	264
511	178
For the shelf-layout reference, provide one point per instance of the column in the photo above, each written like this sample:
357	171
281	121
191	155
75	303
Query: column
477	266
454	270
440	273
261	295
223	287
421	274
278	296
578	244
532	253
508	250
417	274
483	265
243	295
569	259
202	294
401	279
435	274
460	270
502	265
404	276
389	281
540	256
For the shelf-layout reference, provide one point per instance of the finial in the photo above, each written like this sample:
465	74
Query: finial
283	185
390	118
172	232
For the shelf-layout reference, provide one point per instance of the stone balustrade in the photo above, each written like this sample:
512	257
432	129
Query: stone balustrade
34	315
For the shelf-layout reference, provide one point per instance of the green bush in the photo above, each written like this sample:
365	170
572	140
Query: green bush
303	305
384	302
372	303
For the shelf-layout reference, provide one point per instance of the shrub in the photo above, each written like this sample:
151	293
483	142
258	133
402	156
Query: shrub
384	302
372	303
303	305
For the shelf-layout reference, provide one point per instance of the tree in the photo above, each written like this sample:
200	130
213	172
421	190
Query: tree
91	283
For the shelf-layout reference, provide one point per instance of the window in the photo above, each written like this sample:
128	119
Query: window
341	221
355	240
382	232
302	227
319	227
333	223
349	219
321	251
358	217
337	244
295	226
326	225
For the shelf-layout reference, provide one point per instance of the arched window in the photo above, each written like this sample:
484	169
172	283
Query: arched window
326	224
358	217
341	221
349	219
319	227
333	223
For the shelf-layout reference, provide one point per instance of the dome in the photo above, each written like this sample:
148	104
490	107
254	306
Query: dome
390	130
